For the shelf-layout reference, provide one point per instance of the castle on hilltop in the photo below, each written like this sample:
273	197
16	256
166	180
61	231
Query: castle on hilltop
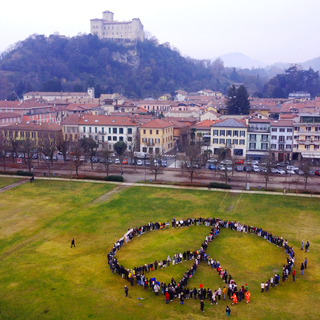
107	28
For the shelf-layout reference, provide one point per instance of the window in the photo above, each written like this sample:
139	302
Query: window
242	142
307	147
316	147
102	130
114	138
120	138
109	138
215	132
129	130
229	132
95	137
235	133
308	138
95	130
102	138
84	129
157	140
129	139
289	138
238	152
274	129
273	137
242	133
114	130
222	133
282	130
288	146
252	146
121	130
295	146
235	141
144	149
89	129
109	130
253	137
144	131
289	130
150	131
215	141
296	137
229	142
296	128
144	140
264	137
264	146
222	141
157	131
273	146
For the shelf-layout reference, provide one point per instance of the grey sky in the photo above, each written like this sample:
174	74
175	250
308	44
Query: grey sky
268	31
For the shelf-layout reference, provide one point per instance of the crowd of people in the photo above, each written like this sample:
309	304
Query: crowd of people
180	289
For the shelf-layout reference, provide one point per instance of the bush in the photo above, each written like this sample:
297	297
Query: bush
219	185
10	173
114	178
24	173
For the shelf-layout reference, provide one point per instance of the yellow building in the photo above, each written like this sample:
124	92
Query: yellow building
306	137
156	137
229	134
34	131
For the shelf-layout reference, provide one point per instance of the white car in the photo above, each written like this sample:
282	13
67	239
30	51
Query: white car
255	168
254	162
293	168
117	161
281	171
291	172
139	162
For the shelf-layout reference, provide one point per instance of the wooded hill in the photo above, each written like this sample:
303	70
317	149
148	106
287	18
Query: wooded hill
139	70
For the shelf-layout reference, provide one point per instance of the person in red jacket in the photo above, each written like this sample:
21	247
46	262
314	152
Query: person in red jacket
167	297
234	298
248	295
294	275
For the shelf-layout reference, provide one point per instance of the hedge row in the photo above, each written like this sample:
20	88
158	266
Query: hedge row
219	185
24	173
114	178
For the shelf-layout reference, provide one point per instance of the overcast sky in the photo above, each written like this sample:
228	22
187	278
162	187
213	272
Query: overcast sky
265	30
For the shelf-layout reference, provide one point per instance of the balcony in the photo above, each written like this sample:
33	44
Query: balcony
259	130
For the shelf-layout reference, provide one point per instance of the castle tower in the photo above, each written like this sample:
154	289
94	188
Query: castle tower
107	15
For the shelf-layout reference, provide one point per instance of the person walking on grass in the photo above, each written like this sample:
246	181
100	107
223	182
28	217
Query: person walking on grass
305	263
294	275
126	290
302	245
73	243
201	305
302	268
228	311
248	295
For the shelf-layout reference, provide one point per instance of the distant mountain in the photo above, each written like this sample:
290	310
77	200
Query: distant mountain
313	63
240	60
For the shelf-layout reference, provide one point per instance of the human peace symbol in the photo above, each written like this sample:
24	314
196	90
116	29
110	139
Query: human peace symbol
179	289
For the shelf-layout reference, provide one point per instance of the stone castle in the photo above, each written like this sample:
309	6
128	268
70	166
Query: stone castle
107	28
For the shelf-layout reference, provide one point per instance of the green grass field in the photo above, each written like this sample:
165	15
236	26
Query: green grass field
41	277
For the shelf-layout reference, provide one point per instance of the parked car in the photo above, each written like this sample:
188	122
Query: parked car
317	172
273	170
212	166
228	162
147	163
221	167
117	161
164	163
139	162
239	161
103	160
247	168
55	158
132	162
239	168
293	168
254	162
281	171
125	161
255	168
34	156
212	161
263	169
229	168
95	160
155	163
291	172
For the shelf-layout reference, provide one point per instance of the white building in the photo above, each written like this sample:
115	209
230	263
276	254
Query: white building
281	139
105	129
107	28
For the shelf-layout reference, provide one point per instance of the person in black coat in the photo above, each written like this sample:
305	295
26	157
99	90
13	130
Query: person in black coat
73	243
201	305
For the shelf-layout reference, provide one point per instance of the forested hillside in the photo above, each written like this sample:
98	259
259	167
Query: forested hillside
140	70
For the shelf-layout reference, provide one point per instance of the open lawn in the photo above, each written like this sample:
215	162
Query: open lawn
41	277
7	181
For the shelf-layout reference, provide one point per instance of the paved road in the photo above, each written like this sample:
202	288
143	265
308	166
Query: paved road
134	174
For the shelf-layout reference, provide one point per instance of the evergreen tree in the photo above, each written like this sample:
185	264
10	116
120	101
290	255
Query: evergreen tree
231	102
238	100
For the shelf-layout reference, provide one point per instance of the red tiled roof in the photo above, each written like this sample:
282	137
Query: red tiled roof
157	123
105	120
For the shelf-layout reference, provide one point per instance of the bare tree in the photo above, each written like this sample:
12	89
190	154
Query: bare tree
155	166
14	146
76	149
193	161
267	168
89	147
4	149
63	146
105	155
47	147
306	171
27	147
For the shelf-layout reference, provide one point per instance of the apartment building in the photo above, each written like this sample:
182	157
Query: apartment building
107	129
156	137
306	137
281	139
230	134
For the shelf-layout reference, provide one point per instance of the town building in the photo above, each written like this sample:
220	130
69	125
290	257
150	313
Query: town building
229	134
258	139
8	118
281	139
306	137
156	137
108	28
107	129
